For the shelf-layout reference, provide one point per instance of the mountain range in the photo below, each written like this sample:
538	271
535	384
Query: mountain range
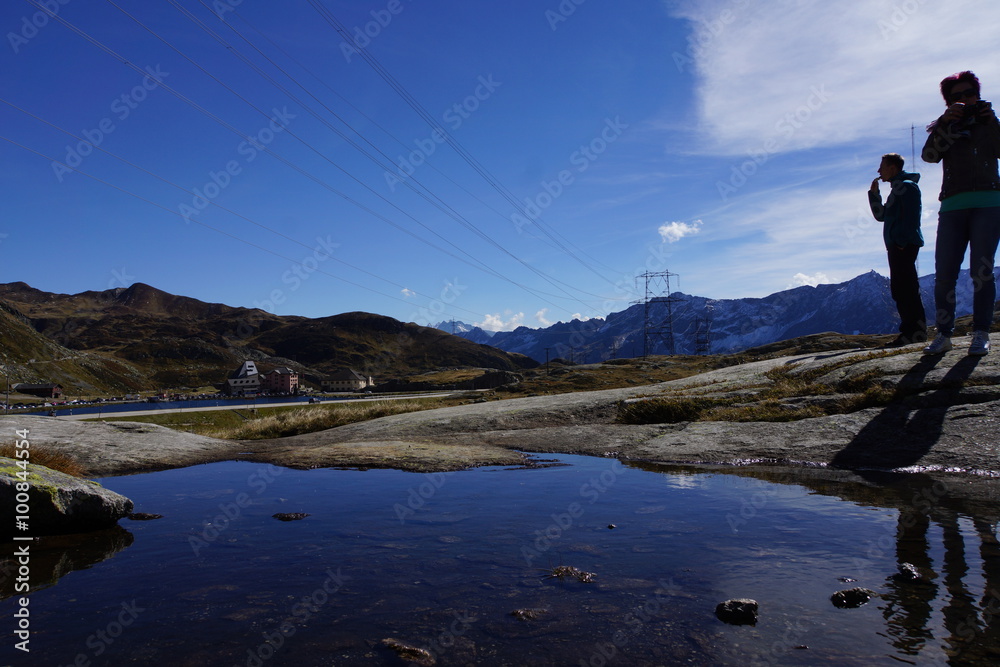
141	338
684	324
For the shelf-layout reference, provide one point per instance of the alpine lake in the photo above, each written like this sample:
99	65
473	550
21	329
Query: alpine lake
566	561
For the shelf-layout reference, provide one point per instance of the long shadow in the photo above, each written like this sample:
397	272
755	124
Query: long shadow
904	432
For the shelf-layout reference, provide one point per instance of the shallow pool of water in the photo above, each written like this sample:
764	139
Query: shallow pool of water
441	561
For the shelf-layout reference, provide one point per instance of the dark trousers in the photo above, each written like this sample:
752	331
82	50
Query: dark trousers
906	291
977	229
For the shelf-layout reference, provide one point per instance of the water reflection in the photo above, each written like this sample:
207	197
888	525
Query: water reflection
946	534
448	574
55	556
968	596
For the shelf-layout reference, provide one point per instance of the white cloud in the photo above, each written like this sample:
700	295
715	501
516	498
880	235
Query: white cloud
787	75
540	317
407	292
800	279
507	321
491	323
671	232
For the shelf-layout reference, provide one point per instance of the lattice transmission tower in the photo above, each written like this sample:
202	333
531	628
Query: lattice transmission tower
657	329
703	333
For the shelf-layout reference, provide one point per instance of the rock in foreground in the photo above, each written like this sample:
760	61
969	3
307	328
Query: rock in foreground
742	611
57	503
852	597
410	654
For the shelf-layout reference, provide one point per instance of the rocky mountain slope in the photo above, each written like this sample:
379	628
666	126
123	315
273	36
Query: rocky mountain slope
686	324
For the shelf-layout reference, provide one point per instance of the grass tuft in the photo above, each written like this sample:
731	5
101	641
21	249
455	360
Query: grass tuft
47	457
668	410
769	410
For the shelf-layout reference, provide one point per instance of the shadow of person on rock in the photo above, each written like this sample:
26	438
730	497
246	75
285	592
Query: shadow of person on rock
905	431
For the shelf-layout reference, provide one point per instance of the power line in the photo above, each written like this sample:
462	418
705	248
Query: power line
198	222
277	156
421	191
211	203
413	103
389	134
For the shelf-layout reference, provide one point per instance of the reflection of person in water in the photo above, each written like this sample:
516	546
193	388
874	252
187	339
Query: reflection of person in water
909	607
975	638
972	626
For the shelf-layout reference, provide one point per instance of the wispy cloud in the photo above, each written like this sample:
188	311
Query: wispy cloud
787	75
407	292
541	319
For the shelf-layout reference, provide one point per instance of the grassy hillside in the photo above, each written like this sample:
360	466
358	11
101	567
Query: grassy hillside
141	338
31	357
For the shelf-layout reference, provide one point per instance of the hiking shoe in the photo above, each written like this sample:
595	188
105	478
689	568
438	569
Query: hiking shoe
898	341
980	343
940	345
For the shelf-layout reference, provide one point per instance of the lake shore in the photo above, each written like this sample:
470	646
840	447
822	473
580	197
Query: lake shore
947	422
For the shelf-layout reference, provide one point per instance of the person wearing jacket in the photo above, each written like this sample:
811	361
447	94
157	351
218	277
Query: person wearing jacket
900	218
966	139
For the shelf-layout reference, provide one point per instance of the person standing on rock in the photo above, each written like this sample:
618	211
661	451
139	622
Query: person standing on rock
900	218
966	139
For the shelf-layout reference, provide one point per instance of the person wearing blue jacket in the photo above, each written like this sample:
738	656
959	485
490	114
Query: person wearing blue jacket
900	218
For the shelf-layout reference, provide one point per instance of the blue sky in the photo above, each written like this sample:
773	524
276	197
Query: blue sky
553	151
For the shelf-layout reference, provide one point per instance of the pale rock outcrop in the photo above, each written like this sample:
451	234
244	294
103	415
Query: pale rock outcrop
57	503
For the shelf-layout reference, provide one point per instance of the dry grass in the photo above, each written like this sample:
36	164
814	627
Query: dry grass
768	410
670	410
765	401
48	458
447	377
297	421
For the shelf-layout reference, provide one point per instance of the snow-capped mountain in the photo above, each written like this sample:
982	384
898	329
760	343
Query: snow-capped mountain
686	324
469	331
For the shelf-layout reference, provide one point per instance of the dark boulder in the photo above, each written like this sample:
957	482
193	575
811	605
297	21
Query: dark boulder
741	611
852	597
908	573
